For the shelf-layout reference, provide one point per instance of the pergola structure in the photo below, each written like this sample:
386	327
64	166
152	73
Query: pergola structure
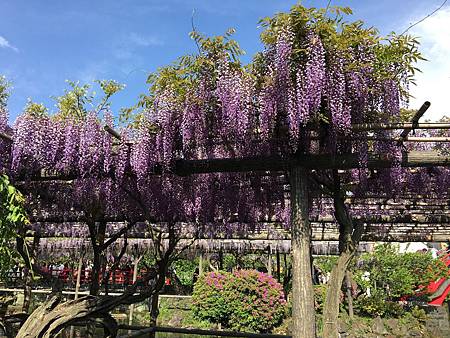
408	218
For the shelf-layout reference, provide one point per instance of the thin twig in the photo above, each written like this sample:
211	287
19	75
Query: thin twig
328	6
195	31
424	18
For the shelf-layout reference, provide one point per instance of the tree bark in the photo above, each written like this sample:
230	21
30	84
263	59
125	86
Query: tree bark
333	297
52	317
349	236
154	312
303	316
349	293
27	280
28	276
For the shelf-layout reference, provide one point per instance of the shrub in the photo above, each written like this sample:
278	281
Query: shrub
185	269
208	301
390	276
377	305
246	300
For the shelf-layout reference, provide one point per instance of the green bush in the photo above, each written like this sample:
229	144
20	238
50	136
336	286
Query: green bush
185	270
390	276
208	301
246	300
377	305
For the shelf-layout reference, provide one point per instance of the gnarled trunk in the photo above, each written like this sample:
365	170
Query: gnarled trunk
303	316
349	235
333	297
52	317
27	280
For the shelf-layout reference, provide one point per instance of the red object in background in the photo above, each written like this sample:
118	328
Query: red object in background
439	290
167	282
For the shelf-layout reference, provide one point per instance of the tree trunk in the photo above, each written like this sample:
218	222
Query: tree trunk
333	297
52	317
28	276
349	293
303	316
349	235
154	312
27	280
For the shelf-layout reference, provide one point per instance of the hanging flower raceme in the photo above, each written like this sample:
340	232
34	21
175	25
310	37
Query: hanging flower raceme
336	96
91	151
234	91
268	107
143	152
391	99
282	62
36	144
107	143
299	111
193	127
315	72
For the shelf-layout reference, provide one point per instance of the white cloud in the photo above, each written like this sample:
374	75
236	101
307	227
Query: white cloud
5	44
144	41
433	84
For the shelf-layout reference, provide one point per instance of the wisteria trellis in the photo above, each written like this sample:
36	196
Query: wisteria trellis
300	97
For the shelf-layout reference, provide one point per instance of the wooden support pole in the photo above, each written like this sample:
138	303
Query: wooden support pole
5	137
220	259
77	285
200	264
303	317
112	132
269	260
135	272
414	122
278	265
77	289
398	126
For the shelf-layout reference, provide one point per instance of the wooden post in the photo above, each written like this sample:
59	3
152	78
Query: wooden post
77	288
269	260
278	265
200	264
303	317
135	271
349	293
77	285
220	259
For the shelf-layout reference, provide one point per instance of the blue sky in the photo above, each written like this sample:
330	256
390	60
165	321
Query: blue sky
43	43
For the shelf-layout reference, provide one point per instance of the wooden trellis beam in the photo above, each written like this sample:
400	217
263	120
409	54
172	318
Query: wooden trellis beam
414	122
398	125
6	137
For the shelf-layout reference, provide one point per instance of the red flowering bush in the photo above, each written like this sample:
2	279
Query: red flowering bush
246	300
